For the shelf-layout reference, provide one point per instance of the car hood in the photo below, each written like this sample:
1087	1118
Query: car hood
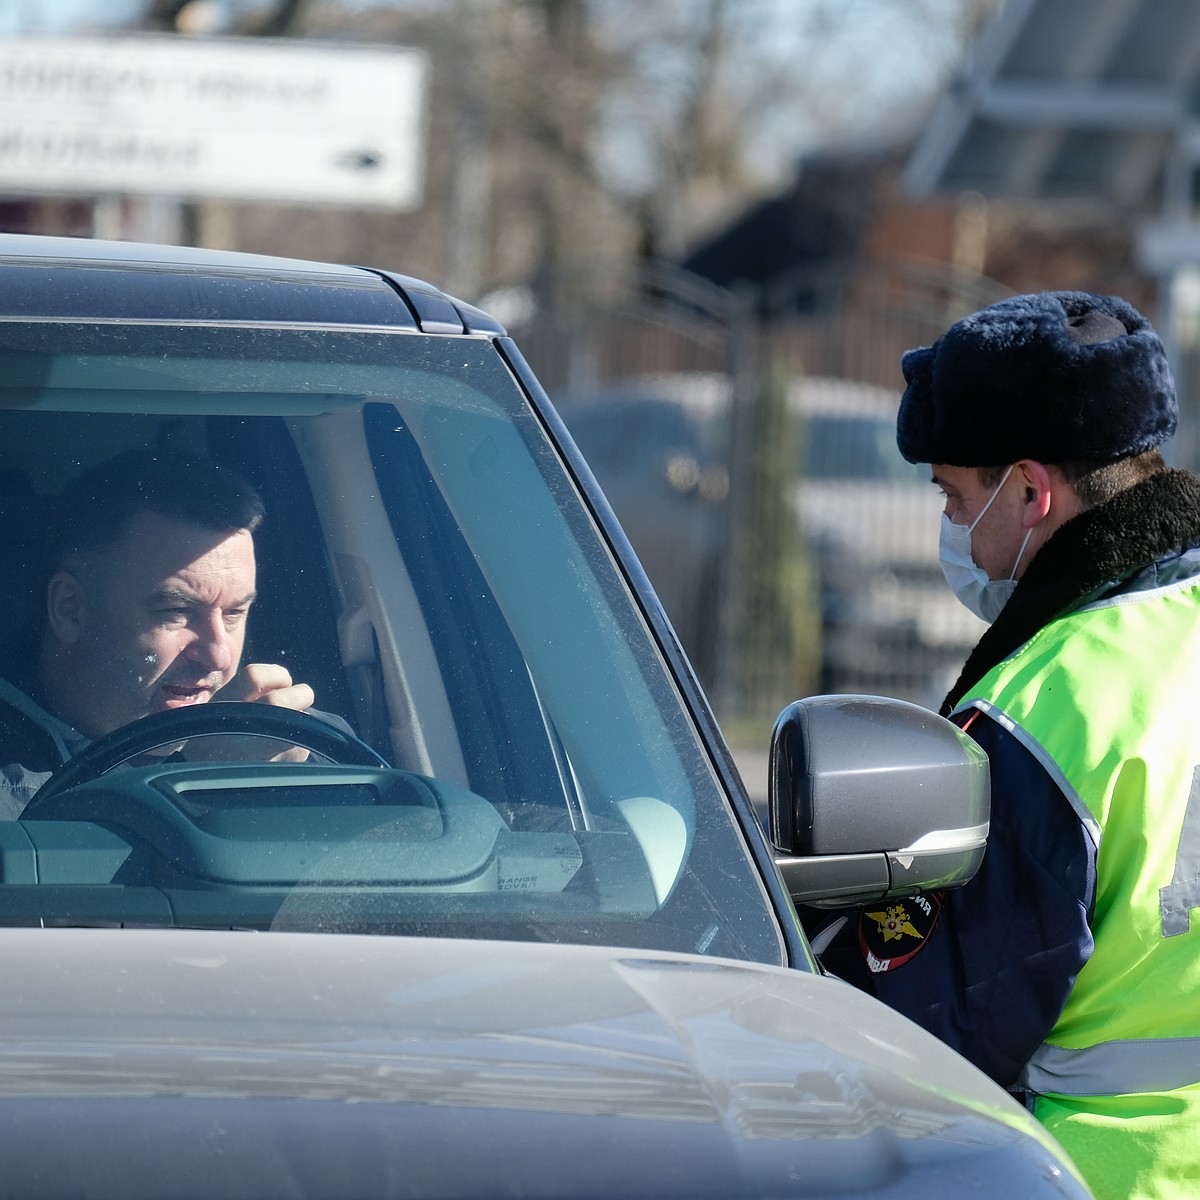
179	1063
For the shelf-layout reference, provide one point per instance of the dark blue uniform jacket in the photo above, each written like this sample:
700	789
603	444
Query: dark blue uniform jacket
989	970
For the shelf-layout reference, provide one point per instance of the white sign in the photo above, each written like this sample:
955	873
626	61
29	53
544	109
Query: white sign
280	121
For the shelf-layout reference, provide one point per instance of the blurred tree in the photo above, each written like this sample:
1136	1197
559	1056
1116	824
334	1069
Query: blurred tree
607	130
566	135
274	18
163	15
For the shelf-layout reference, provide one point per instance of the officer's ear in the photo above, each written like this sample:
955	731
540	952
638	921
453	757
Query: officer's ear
1038	490
66	606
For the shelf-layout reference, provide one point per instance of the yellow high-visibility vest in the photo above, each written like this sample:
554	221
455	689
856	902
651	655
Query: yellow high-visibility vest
1108	700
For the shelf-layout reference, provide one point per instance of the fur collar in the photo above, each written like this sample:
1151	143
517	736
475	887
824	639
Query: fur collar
1086	556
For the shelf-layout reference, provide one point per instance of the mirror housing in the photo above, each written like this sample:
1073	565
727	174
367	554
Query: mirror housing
872	798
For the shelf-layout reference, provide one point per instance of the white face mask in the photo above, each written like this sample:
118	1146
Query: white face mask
970	583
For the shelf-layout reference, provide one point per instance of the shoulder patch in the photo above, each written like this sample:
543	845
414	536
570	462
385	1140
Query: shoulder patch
892	934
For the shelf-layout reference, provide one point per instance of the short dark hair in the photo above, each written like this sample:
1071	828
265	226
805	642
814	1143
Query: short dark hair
1095	482
1098	482
98	505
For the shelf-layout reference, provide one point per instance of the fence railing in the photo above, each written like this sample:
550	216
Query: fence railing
788	560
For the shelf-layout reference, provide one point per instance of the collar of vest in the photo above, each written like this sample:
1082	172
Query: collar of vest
1088	556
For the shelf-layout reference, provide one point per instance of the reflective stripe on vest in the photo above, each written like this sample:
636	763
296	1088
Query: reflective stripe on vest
1052	769
1106	699
1114	1068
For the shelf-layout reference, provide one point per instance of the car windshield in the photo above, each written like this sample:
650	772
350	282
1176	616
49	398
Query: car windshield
427	565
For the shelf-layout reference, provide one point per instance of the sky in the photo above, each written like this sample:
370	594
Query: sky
885	55
50	16
53	16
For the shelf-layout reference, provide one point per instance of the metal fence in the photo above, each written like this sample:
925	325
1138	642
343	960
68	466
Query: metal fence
746	442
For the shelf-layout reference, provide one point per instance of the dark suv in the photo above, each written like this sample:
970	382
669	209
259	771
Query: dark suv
506	923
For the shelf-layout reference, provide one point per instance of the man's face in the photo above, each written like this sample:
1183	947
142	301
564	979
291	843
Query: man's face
997	540
156	621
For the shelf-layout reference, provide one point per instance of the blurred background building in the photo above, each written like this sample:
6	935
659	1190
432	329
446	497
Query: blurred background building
713	226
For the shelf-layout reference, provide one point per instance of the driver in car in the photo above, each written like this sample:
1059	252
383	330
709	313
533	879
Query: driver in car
150	576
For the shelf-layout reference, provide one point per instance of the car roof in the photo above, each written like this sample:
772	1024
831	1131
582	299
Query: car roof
820	396
132	281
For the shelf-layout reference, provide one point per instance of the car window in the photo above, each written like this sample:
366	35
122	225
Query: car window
427	564
633	435
855	448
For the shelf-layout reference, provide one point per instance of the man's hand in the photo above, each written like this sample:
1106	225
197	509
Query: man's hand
260	683
267	683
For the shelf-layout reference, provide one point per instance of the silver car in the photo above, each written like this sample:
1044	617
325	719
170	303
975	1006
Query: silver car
505	923
891	624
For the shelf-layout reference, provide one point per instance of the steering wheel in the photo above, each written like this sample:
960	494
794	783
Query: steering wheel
221	717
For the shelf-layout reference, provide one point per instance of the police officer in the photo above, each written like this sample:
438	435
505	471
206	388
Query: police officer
1069	968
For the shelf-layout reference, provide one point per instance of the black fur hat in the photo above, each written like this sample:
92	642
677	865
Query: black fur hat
1053	377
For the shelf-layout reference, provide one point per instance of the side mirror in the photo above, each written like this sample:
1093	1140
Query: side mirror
872	798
